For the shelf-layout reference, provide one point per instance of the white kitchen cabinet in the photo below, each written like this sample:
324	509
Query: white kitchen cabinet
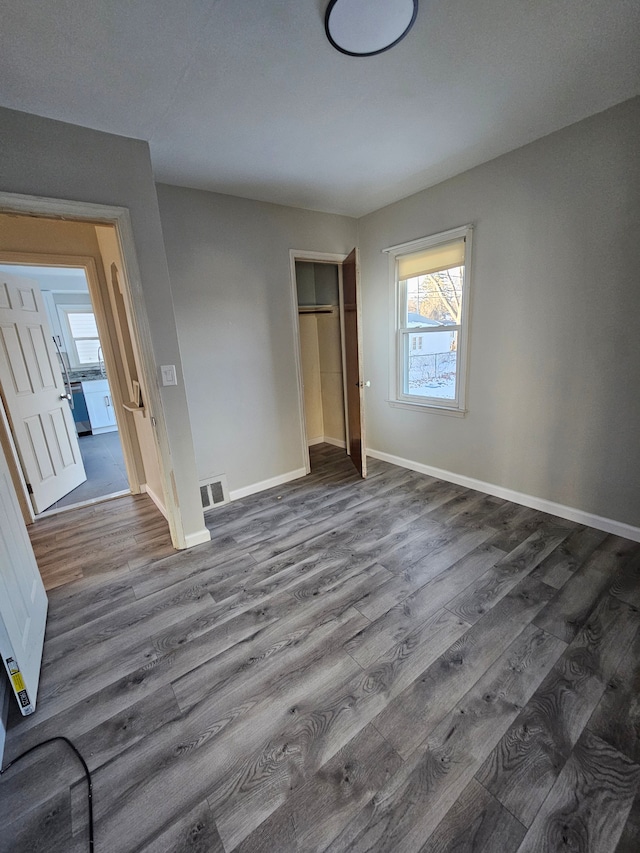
97	396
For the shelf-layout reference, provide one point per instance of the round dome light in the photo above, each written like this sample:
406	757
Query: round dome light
368	27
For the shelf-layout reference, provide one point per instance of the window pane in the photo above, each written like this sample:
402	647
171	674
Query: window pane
431	364
88	351
83	325
435	298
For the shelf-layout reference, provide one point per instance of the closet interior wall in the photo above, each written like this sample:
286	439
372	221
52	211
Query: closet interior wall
321	351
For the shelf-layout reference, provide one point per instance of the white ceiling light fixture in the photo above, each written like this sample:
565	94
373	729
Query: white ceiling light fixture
368	27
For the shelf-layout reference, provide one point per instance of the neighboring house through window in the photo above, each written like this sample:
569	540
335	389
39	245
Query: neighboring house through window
430	278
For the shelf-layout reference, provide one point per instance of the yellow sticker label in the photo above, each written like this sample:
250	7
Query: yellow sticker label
18	683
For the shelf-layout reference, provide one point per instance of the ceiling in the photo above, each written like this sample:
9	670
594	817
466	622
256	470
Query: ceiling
250	99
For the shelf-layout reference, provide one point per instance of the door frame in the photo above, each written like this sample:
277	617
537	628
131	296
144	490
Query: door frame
317	258
361	464
119	217
98	298
8	445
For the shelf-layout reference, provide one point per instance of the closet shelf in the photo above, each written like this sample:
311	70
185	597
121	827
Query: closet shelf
317	309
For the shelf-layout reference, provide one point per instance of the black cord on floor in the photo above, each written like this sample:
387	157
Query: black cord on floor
84	767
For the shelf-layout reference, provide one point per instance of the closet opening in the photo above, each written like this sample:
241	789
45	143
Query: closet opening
327	325
320	325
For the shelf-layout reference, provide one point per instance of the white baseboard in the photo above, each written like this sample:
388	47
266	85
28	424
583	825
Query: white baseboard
608	525
326	439
245	491
197	538
145	488
336	442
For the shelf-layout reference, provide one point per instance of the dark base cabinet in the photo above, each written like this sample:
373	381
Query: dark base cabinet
80	413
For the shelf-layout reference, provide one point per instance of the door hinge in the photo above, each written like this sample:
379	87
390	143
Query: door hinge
29	489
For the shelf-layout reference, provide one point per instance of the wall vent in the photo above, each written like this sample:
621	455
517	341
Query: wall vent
214	492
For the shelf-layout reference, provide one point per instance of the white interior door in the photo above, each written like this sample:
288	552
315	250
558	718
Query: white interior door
34	394
23	601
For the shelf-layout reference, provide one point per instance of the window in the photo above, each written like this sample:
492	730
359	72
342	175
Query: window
431	290
83	342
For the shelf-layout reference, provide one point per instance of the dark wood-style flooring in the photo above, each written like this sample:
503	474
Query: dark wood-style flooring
396	664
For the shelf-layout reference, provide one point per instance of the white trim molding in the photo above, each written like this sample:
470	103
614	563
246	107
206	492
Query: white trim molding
426	410
159	503
325	439
608	525
198	538
245	491
336	442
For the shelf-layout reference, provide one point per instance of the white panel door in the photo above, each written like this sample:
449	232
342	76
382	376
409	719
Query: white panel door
23	601
34	393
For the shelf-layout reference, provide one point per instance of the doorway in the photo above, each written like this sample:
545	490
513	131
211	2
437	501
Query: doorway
319	325
80	355
327	329
96	333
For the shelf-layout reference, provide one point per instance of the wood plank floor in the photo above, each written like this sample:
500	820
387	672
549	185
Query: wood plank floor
396	664
98	538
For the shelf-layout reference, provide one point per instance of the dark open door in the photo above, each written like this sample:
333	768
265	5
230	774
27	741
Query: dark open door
353	359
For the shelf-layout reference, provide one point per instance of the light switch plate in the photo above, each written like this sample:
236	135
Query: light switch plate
168	373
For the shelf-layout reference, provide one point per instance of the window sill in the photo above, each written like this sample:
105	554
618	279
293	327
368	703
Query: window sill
427	409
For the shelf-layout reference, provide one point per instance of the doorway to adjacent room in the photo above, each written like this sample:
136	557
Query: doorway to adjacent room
76	390
70	323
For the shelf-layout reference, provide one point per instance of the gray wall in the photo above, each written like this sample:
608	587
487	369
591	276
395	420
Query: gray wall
554	399
42	157
229	266
555	337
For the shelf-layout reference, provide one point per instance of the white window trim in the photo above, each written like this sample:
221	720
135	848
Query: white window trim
396	398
